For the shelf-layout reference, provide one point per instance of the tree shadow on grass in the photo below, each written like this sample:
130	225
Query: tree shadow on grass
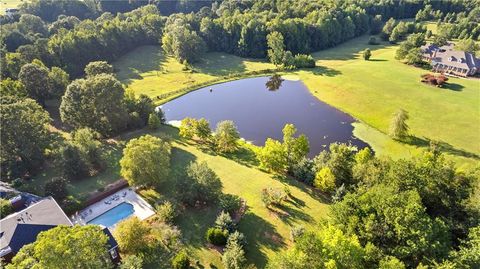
317	195
244	156
440	145
325	71
453	87
289	214
378	60
259	233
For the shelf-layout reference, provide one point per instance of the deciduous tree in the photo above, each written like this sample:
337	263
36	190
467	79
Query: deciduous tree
146	161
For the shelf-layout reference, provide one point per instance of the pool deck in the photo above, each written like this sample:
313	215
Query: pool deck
142	210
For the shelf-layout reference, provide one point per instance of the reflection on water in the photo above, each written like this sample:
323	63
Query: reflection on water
274	83
260	113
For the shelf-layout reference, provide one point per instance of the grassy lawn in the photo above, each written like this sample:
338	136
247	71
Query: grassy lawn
147	70
266	232
373	90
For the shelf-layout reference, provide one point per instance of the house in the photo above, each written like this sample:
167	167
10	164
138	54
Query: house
446	59
22	228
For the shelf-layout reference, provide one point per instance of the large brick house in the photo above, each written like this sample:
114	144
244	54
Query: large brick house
446	59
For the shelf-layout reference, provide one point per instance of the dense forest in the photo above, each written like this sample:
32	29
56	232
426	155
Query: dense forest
386	214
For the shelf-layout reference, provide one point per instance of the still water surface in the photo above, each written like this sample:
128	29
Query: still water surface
260	107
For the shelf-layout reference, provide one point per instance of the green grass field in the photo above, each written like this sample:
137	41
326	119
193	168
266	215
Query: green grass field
266	232
371	91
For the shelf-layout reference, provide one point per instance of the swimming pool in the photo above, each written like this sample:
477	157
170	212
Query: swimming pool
114	215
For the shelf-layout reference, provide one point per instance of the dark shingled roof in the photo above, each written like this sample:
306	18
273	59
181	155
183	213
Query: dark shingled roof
111	241
25	234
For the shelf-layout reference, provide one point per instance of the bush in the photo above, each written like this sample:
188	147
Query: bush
217	236
303	171
6	208
166	212
71	205
224	221
150	195
57	188
304	61
181	261
273	196
372	41
153	121
230	203
131	262
325	180
237	238
296	232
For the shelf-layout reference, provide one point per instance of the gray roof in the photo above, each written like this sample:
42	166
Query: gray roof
43	212
449	56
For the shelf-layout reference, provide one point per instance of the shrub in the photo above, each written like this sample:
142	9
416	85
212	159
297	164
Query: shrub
325	180
237	238
273	196
366	54
71	205
150	195
57	188
304	61
166	212
224	221
6	208
372	41
303	171
131	262
296	232
153	121
181	261
217	236
230	203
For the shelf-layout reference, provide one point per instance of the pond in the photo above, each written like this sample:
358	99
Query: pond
261	106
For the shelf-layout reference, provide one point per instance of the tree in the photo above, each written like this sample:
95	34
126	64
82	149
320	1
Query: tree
59	80
6	208
96	102
388	28
57	188
272	156
153	121
276	51
234	256
181	261
467	45
14	88
414	56
366	54
226	136
131	262
132	235
295	148
146	161
25	139
36	81
66	247
398	125
202	130
393	221
97	68
328	247
205	184
390	262
72	165
224	221
86	141
325	180
187	128
182	43
468	253
216	236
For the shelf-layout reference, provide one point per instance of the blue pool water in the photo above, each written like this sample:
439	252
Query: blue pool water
114	215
